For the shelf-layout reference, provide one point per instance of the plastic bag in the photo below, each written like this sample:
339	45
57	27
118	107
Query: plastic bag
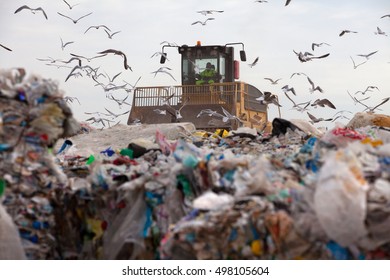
10	243
340	199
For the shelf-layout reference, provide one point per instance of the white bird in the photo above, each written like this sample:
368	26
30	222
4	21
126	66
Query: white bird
160	112
286	89
32	10
70	99
345	32
316	120
300	107
313	45
117	52
355	100
162	70
74	20
70	6
313	87
367	56
209	12
268	98
63	45
202	22
176	114
356	65
110	35
97	27
322	103
304	57
298	73
380	32
169	44
372	109
368	89
273	82
340	114
114	115
254	62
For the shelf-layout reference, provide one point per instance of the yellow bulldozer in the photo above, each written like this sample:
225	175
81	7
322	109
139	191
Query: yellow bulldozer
207	101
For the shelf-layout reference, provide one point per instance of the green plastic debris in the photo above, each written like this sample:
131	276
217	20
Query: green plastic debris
183	181
2	186
127	152
90	160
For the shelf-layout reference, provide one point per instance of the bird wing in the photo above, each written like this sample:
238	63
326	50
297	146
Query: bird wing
40	9
342	33
22	8
314	119
8	49
380	104
113	78
287	2
70	7
385	16
311	82
65	16
196	22
322	56
372	53
269	79
83	16
327	103
89	29
290	99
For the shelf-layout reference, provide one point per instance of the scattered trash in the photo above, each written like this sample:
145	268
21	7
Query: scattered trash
295	194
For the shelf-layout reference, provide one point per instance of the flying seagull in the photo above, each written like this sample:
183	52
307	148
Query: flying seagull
298	73
261	1
63	45
313	45
32	10
356	65
268	98
74	20
372	109
225	117
176	115
202	22
273	82
113	115
345	32
368	89
304	57
322	103
97	27
254	62
299	105
70	6
169	44
8	49
340	114
209	12
316	120
163	70
116	52
286	88
367	56
313	87
380	32
111	34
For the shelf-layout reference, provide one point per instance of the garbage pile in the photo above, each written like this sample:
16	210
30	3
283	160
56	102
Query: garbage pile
33	115
223	195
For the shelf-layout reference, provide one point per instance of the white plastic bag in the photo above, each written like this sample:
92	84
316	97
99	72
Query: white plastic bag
340	199
10	243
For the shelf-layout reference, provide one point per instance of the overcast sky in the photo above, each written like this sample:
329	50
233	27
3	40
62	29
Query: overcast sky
269	31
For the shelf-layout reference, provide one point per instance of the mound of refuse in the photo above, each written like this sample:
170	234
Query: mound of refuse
172	192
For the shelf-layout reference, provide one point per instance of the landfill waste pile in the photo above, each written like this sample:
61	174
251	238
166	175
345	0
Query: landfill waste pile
241	194
33	115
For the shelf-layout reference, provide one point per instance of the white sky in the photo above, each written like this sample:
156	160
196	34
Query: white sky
269	30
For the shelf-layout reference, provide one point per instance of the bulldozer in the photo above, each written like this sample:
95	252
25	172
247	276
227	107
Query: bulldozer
222	102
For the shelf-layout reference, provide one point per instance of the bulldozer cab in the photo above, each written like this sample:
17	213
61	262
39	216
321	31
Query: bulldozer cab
208	82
